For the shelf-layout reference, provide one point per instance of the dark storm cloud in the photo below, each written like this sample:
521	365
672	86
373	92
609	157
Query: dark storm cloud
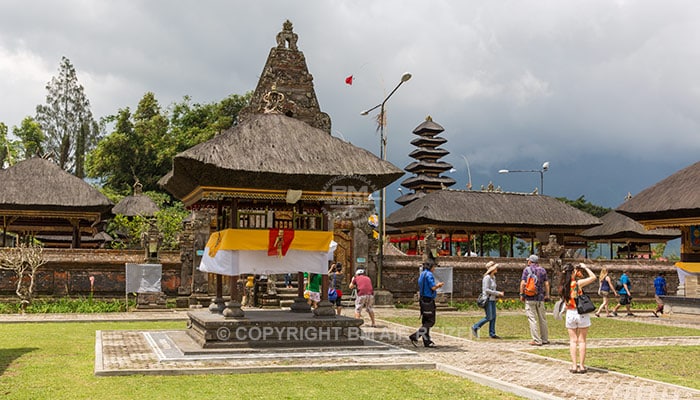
607	91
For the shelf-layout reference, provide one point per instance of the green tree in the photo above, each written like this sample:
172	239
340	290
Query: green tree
139	147
583	205
143	144
31	137
67	121
192	124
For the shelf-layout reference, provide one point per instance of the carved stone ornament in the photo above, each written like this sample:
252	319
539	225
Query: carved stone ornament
287	38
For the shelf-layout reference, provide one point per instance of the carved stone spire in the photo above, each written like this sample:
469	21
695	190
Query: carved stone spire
286	86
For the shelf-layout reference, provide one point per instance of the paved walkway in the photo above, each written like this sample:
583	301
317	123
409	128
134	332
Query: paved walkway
500	364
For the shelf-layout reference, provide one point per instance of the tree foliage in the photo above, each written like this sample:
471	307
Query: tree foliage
8	148
586	206
32	138
142	145
67	121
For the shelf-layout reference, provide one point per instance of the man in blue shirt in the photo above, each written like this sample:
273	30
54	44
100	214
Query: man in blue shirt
625	294
427	287
659	290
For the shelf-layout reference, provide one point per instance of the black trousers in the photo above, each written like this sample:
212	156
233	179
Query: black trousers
427	313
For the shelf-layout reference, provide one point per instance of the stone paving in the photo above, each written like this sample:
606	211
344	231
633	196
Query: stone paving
502	364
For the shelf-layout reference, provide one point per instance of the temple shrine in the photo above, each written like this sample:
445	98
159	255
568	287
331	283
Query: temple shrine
280	189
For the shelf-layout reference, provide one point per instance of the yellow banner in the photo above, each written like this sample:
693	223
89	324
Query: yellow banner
689	267
259	239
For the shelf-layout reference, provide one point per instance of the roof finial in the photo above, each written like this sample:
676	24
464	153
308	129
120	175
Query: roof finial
287	37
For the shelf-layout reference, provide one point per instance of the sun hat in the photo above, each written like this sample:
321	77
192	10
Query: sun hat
490	266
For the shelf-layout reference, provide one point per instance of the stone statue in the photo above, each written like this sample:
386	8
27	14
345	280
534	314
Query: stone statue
287	38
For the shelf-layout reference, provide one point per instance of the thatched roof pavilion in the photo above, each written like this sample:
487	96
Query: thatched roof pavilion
137	204
618	228
462	212
673	202
273	152
38	197
491	211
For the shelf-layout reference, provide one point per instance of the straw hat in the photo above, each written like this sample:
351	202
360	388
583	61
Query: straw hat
490	267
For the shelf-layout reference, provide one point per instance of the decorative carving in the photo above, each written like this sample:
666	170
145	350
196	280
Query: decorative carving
287	38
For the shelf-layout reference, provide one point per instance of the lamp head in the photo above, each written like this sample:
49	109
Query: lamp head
364	112
545	166
503	171
406	76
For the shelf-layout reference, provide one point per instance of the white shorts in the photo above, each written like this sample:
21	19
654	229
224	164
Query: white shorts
575	320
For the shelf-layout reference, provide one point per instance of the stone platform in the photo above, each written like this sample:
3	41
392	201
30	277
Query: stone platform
176	353
272	328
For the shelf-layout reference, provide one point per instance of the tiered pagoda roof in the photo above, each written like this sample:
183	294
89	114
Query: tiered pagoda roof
428	167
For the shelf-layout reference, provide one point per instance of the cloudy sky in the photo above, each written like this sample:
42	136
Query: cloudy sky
607	91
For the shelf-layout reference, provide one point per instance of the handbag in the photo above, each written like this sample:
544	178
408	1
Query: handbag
482	300
584	304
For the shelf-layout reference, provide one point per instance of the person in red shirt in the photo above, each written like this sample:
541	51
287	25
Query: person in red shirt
365	294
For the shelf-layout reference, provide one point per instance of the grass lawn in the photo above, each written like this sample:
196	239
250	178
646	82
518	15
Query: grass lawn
56	361
667	364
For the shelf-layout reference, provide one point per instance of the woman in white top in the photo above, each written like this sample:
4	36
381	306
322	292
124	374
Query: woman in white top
488	286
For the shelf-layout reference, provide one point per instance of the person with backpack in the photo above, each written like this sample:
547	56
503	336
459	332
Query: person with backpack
605	286
623	289
335	295
534	291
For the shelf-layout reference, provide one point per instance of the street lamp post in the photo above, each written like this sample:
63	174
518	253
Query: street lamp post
382	193
545	168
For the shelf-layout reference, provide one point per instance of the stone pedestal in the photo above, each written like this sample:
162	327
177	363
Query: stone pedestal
150	301
300	305
217	305
273	328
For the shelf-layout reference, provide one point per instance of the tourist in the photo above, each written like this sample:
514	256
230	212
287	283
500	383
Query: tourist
625	295
659	290
335	275
313	288
572	283
365	294
605	286
534	303
488	286
288	280
427	287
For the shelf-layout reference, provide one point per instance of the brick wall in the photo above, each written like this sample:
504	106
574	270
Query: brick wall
67	272
400	275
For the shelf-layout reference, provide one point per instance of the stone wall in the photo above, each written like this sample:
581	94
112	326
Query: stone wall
400	275
68	271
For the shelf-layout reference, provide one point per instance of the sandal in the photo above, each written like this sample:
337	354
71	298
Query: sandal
597	315
573	370
581	369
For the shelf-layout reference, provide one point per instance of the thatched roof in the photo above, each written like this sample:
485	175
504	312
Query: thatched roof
38	184
138	204
273	151
675	197
497	211
622	228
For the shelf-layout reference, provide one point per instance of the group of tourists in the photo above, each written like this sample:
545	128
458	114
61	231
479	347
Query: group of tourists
534	292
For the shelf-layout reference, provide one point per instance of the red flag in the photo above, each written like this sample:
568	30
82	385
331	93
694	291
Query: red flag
348	80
